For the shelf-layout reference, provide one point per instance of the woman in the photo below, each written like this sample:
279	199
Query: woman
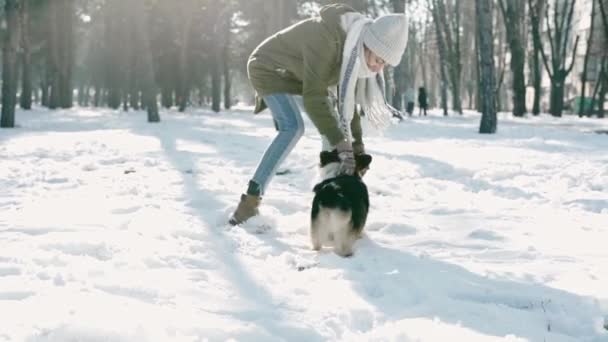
341	49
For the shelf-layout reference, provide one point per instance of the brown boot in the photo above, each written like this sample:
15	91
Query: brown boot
247	208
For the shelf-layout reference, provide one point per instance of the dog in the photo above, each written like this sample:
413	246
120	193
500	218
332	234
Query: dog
340	205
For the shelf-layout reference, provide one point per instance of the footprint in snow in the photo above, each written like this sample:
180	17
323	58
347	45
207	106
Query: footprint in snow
482	234
16	295
9	271
129	210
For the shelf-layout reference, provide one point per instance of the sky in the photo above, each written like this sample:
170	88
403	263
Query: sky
114	229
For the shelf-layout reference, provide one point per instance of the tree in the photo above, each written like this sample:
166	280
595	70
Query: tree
603	4
399	72
558	40
535	8
60	52
9	63
443	56
226	65
218	19
500	57
149	91
599	92
603	74
469	58
184	29
512	14
486	56
583	102
115	63
26	63
449	28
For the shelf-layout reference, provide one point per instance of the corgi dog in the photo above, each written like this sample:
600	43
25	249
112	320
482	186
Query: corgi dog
340	205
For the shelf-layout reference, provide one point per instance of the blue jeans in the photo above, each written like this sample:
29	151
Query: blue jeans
288	121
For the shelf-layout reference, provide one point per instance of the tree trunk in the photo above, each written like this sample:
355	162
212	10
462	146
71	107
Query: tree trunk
512	13
113	73
456	95
602	98
80	97
449	25
478	99
484	30
603	5
113	98
9	63
61	52
442	60
87	95
184	79
226	66
582	102
134	95
44	87
216	76
67	37
518	63
399	70
36	96
216	82
456	61
125	100
397	100
468	54
422	57
166	95
26	63
149	91
52	56
557	96
601	87
537	81
97	95
535	9
558	39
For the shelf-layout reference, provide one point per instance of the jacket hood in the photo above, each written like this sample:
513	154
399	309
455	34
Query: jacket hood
332	13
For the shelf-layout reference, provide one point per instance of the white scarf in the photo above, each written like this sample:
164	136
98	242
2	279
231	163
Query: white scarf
358	84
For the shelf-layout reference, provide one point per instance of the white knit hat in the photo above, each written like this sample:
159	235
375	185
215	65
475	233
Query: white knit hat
387	37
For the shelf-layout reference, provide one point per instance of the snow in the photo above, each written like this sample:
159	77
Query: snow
114	229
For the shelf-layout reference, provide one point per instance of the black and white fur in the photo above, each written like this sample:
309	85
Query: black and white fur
340	205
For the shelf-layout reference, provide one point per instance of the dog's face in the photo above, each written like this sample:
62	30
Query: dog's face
330	163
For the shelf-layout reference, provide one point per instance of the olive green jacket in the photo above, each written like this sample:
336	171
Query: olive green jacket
305	59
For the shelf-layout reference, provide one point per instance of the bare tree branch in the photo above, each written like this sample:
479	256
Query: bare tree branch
550	40
573	56
503	9
567	33
604	17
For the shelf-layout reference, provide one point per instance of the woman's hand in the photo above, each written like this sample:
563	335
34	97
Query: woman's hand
347	158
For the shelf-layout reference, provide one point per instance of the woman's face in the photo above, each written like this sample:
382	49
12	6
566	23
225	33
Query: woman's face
374	63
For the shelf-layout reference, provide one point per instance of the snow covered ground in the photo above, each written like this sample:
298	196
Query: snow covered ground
113	229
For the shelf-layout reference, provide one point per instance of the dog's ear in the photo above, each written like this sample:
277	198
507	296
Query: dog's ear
327	157
363	160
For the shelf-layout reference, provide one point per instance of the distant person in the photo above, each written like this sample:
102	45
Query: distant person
341	49
410	98
422	101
